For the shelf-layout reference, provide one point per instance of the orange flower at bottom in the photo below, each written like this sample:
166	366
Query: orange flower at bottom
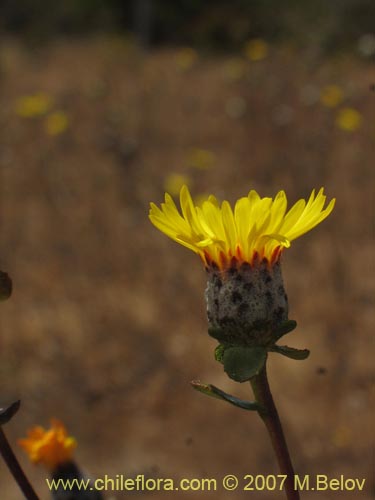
49	447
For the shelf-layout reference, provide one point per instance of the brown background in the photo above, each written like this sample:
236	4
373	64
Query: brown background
107	326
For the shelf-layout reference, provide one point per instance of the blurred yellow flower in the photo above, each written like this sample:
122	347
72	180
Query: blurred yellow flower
348	119
257	228
56	123
234	70
201	158
33	105
342	436
331	96
185	58
256	49
174	182
49	447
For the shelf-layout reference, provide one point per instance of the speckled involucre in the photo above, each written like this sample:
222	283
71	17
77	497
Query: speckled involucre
246	304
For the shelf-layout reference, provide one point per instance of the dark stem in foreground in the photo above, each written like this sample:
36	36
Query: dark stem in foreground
271	419
15	468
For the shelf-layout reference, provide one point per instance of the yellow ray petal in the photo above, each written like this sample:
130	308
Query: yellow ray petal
257	225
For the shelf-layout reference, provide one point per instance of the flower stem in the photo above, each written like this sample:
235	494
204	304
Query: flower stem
15	468
271	419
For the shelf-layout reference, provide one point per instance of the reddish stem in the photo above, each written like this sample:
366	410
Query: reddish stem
271	419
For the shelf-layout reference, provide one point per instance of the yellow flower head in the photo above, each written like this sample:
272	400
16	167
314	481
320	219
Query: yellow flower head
201	159
33	105
331	96
234	69
257	228
49	447
256	49
56	123
173	183
349	119
186	57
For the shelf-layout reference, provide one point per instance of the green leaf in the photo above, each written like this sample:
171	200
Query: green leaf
215	392
291	352
219	353
204	389
243	363
240	403
285	327
217	333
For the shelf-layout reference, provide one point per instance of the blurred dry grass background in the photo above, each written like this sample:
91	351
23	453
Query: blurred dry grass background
107	326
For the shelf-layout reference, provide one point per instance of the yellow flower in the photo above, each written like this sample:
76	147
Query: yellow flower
49	447
331	96
56	123
186	58
342	436
201	159
257	228
349	119
234	69
174	182
256	49
33	105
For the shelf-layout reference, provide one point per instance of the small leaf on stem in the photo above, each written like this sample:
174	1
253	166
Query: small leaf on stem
243	363
215	392
291	352
284	328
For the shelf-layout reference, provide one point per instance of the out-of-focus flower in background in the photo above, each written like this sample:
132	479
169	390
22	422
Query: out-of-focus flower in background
174	182
50	447
234	69
201	159
331	96
185	58
256	49
54	449
40	104
56	123
33	105
348	119
342	436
